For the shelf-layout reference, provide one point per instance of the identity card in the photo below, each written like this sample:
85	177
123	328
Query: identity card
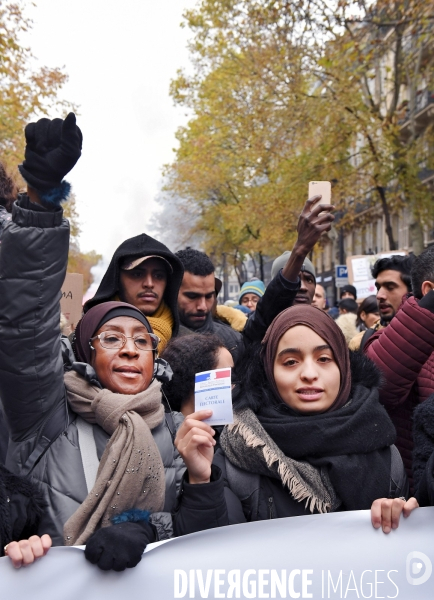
213	390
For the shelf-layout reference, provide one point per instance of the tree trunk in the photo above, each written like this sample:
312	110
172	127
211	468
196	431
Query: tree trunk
225	279
261	267
389	231
416	236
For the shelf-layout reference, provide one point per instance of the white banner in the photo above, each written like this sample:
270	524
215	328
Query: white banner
319	556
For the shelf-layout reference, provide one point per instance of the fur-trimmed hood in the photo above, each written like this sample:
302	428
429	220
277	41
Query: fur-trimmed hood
364	371
347	324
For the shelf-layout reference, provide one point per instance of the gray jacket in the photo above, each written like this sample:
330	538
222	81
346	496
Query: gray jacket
43	430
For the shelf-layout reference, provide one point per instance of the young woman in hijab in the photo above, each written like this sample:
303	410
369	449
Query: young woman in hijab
309	436
94	440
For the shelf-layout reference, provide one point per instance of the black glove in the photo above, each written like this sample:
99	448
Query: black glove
52	149
119	546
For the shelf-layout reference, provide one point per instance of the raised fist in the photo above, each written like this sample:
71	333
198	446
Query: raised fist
52	149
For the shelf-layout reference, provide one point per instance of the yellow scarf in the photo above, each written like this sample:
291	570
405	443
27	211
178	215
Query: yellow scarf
161	322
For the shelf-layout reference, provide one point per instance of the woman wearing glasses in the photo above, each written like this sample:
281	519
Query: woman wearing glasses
93	439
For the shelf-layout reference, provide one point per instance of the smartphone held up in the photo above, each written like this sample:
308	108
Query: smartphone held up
321	188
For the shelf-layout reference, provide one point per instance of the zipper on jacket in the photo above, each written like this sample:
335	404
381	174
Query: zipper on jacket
271	507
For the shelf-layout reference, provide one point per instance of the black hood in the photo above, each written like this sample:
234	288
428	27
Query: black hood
141	245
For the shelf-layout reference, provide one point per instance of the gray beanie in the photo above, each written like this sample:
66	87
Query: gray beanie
281	261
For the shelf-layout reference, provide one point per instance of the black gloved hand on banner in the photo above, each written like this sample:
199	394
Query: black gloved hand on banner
119	546
52	149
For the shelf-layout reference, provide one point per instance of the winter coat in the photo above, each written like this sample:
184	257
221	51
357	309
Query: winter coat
141	245
403	351
4	436
423	455
235	495
21	508
43	431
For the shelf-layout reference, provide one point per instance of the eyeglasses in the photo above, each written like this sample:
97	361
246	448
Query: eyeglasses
113	340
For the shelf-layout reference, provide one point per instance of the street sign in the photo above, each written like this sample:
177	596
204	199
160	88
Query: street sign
341	275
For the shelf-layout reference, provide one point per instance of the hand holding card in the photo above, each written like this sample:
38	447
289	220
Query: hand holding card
213	390
195	443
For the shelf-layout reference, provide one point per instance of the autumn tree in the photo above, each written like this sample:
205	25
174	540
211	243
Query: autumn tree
78	262
26	93
287	91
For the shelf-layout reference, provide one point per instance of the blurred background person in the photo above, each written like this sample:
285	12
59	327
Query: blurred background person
319	297
367	313
251	292
347	318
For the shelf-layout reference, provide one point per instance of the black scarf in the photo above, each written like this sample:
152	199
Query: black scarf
352	443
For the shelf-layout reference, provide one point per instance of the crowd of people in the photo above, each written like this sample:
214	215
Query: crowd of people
100	441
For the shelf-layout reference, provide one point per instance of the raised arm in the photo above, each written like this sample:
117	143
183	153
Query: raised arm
33	260
314	220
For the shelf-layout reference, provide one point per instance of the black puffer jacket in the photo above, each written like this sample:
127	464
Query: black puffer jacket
44	437
236	496
423	455
21	508
141	245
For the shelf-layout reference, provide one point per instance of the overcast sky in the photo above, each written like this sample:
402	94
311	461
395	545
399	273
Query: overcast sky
120	58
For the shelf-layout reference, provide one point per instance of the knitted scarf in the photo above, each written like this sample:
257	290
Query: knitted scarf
247	445
162	324
131	471
338	458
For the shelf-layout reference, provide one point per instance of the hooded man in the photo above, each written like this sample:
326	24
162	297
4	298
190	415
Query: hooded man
145	273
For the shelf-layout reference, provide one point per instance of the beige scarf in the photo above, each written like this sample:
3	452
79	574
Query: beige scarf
131	471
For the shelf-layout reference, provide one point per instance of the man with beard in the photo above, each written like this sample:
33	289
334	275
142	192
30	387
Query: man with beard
393	282
293	283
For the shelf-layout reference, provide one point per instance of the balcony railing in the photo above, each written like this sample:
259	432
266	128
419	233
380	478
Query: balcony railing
423	100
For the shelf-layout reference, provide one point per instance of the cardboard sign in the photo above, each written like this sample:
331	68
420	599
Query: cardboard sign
71	301
213	391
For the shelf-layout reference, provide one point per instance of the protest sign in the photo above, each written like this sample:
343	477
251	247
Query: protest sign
213	390
71	301
337	555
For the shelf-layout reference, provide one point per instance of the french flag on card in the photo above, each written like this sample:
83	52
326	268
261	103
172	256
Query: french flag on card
220	374
213	392
211	375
